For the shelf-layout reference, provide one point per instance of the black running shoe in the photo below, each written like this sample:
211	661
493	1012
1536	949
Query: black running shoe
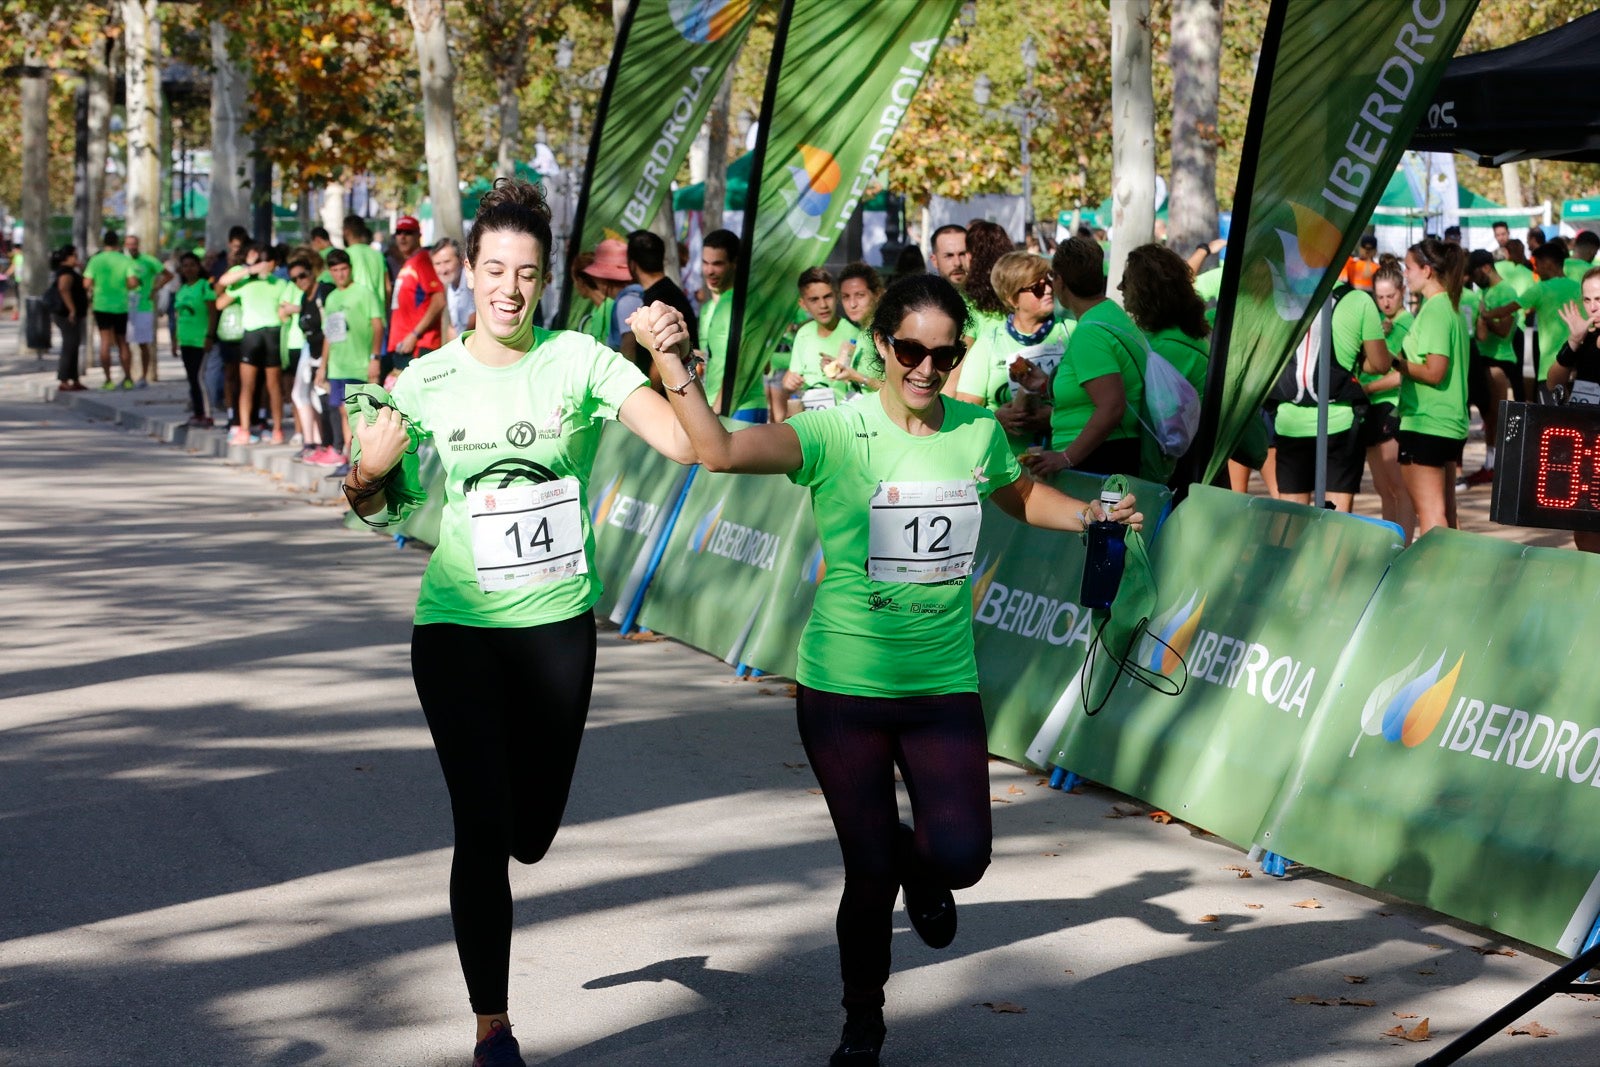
931	908
500	1049
862	1039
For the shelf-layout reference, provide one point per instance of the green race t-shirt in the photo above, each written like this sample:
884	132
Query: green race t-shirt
368	270
1440	410
193	303
348	313
538	420
1356	320
108	271
986	371
1208	284
1493	345
596	322
716	321
1102	344
883	638
1545	300
1399	326
810	349
259	299
148	268
1576	268
1521	278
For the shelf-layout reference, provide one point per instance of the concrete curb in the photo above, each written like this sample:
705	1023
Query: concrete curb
172	427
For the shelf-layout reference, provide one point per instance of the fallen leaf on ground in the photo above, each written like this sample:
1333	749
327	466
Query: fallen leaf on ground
791	690
1042	781
764	691
1208	919
1234	867
642	635
1349	1003
1356	979
1309	902
1069	970
1332	1002
1581	996
1050	853
1385	914
1123	811
1532	1029
1307	998
1434	944
1002	1007
1014	790
1427	972
795	766
997	800
1484	950
814	792
1404	1014
1416	1033
1161	817
1255	907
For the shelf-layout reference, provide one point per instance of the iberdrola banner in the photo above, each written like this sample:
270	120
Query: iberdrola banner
1339	88
843	74
669	61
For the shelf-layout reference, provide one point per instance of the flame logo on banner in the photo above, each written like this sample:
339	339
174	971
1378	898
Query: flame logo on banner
602	505
1177	630
1407	706
706	527
706	21
811	192
1307	254
985	572
815	566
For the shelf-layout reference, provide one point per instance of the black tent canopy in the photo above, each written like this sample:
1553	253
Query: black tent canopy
1536	99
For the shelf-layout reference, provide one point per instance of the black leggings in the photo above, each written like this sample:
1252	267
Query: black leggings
71	344
506	708
193	358
854	744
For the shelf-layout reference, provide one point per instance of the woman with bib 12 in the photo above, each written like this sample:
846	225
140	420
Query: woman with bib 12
887	672
503	650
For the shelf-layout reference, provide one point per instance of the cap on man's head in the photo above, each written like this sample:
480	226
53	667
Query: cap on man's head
1479	258
407	224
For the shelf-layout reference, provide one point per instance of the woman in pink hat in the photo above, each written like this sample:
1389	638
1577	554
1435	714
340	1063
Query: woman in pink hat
613	278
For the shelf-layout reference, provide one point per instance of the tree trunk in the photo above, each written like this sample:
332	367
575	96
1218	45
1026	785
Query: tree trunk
717	153
142	32
1133	123
1196	67
438	114
1513	182
333	211
261	198
508	80
35	105
231	149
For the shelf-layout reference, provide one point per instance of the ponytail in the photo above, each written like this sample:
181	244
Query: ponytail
1448	263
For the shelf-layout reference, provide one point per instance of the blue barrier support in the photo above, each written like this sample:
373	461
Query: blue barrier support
660	550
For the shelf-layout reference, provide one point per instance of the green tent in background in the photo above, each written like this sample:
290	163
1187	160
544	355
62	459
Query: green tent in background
477	187
1100	217
1580	214
1399	207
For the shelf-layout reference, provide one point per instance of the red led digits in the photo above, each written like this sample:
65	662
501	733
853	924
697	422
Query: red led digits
1572	469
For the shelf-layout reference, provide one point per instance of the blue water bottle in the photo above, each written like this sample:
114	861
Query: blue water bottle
1107	552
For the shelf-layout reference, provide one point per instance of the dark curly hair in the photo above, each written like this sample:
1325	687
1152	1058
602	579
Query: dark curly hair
986	243
512	206
915	292
1158	292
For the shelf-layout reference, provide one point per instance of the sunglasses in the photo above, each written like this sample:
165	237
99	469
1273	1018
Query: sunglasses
298	276
1038	288
910	354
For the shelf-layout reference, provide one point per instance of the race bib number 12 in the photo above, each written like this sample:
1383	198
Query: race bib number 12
922	532
527	534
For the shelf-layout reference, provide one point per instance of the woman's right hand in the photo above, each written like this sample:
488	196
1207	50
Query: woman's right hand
383	441
1577	325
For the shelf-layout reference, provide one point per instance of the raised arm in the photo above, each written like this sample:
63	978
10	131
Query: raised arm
1047	507
772	449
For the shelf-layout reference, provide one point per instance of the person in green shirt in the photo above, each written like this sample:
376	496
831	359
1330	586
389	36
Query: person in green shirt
1028	338
806	384
1160	298
1380	427
719	264
886	671
1544	301
194	304
1580	256
366	263
1494	362
1098	390
153	274
986	243
503	646
860	289
258	293
109	276
1433	383
352	342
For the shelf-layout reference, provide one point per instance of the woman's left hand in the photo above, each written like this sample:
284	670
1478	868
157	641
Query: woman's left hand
1125	513
661	330
1043	464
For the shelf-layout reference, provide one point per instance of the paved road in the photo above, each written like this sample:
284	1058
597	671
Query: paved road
224	840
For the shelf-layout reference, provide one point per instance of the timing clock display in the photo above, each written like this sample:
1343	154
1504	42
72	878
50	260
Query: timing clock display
1547	471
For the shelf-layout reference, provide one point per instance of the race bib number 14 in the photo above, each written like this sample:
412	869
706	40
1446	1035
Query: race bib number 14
922	532
527	534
